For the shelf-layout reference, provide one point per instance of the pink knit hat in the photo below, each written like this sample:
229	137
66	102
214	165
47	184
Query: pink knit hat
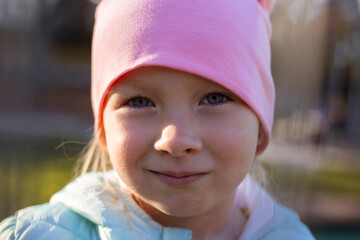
226	41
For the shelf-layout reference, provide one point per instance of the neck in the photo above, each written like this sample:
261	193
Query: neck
224	221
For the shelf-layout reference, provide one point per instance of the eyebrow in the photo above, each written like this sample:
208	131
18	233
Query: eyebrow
129	82
137	83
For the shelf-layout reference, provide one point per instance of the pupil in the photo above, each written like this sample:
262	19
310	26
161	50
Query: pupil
215	98
140	102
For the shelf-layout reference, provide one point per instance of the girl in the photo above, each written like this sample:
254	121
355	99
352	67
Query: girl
183	100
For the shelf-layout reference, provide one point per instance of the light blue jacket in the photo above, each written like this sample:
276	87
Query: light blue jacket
86	209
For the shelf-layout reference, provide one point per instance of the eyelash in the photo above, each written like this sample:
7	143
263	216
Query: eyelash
130	101
225	98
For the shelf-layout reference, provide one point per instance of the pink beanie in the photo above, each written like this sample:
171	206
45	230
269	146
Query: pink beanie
227	42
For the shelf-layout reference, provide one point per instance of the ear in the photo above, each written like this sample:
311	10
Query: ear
267	5
101	136
261	141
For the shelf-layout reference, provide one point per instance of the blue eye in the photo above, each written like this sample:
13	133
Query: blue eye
139	102
215	99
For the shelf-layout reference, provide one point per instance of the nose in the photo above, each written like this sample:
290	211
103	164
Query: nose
178	140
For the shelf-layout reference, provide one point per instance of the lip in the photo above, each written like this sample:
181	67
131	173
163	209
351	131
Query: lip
178	178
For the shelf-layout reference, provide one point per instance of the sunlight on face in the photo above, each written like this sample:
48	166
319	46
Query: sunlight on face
180	142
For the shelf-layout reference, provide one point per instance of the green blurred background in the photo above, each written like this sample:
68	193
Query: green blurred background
313	162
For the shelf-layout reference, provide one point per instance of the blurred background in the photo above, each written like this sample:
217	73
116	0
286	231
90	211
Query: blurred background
313	162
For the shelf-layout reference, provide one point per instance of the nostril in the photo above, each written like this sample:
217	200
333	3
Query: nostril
189	151
175	150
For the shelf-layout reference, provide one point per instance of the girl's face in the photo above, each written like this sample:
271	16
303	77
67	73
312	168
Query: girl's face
180	142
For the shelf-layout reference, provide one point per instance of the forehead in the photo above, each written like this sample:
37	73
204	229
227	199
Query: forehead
157	76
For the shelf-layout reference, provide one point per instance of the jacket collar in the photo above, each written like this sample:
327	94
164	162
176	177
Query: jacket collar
100	198
103	199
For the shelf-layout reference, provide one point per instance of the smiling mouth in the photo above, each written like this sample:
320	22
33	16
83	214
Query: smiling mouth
178	179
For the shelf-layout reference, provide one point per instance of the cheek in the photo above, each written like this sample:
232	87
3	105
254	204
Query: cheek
234	144
127	144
